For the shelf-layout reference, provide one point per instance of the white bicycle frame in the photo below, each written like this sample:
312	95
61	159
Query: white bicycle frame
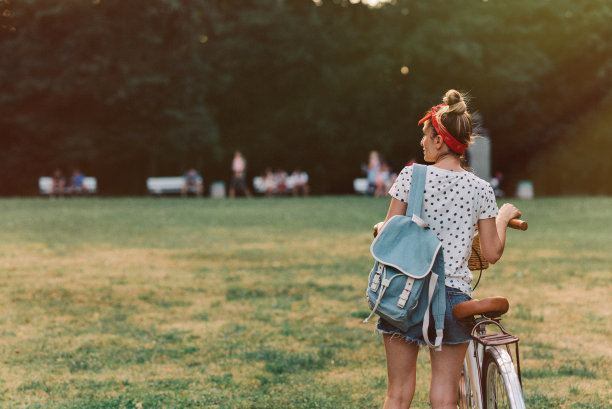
473	367
473	363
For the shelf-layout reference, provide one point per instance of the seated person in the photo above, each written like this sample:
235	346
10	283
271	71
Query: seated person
193	182
269	183
58	183
281	181
300	182
77	180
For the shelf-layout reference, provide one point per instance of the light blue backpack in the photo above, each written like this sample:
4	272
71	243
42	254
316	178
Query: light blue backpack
407	280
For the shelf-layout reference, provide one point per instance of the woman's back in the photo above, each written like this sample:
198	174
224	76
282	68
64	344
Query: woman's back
452	205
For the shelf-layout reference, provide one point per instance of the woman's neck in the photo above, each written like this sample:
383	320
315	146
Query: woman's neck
448	162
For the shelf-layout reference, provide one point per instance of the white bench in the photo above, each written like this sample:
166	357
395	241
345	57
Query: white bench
45	183
260	187
166	185
361	185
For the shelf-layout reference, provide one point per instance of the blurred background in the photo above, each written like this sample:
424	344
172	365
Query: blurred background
125	90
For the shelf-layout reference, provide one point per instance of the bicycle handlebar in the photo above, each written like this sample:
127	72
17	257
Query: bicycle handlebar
518	224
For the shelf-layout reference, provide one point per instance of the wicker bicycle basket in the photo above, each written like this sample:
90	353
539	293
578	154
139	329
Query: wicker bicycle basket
477	260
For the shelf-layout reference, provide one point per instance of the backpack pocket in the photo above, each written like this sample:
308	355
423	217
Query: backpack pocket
395	296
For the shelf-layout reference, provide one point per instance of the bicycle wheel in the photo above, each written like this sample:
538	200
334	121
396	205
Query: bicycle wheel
465	399
501	388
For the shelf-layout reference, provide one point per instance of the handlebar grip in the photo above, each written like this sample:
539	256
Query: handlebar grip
518	224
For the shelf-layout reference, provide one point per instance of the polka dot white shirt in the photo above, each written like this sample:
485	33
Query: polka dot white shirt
452	205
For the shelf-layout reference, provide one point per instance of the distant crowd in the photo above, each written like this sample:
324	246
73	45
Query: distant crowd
195	183
381	177
75	185
269	184
279	182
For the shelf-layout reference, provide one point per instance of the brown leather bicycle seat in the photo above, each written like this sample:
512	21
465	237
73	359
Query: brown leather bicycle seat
491	307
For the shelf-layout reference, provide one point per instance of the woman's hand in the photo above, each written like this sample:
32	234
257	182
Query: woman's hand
377	228
508	212
492	232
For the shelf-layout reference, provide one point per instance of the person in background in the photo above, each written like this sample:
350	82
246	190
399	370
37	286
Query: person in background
383	180
77	183
300	182
238	182
269	183
281	181
58	184
372	171
495	182
193	181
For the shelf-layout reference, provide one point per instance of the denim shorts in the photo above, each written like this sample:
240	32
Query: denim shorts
455	332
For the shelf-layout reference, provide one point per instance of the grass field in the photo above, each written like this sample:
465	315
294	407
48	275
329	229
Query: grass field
170	303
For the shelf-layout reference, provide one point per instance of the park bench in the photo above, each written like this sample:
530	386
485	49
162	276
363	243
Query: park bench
167	185
45	183
361	185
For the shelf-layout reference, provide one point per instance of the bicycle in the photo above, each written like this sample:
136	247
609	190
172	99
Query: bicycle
488	378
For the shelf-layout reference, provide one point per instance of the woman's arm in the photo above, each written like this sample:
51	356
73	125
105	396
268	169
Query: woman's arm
397	207
492	232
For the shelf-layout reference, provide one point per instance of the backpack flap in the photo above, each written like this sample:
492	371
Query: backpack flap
396	246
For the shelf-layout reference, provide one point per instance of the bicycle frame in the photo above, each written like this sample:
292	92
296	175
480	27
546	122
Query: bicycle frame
474	361
488	367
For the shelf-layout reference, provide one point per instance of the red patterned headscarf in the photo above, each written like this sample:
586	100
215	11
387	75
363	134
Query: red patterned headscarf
449	139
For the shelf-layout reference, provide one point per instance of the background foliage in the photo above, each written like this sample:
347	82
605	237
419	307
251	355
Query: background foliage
127	90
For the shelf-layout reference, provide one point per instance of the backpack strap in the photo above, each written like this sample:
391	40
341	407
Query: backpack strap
417	190
437	345
415	205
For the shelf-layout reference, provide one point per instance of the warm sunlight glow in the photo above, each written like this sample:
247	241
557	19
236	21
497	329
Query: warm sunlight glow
375	2
372	3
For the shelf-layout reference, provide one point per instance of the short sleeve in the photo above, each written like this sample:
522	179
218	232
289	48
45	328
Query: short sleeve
488	207
401	188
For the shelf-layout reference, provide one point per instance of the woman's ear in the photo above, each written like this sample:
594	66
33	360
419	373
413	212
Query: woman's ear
438	141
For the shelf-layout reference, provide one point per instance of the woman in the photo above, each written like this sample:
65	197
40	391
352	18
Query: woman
454	203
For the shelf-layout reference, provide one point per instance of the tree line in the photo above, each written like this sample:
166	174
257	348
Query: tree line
130	89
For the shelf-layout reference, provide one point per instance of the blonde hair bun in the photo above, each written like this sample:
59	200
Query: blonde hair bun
456	103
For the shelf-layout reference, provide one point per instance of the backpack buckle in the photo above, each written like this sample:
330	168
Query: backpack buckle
376	279
403	298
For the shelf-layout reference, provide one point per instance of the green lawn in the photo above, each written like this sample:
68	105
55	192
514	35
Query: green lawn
180	303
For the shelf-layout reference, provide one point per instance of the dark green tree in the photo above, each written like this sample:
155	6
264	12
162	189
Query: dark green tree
127	90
